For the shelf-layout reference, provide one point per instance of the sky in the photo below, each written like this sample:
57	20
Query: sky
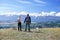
32	7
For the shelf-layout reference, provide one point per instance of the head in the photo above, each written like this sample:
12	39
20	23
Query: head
27	14
19	17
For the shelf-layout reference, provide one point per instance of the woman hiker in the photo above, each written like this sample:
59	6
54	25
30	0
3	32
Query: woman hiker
19	24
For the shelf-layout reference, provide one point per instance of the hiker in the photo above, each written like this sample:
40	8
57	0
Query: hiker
28	22
19	24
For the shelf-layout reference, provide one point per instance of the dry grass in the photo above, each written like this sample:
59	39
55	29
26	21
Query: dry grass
43	34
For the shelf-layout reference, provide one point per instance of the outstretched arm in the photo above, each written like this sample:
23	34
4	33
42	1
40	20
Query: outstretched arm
30	19
24	20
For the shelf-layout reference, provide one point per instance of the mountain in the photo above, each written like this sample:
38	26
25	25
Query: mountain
13	18
48	18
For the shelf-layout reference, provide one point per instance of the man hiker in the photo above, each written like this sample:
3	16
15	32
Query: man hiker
19	24
28	22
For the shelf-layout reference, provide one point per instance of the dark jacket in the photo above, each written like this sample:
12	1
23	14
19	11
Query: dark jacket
27	19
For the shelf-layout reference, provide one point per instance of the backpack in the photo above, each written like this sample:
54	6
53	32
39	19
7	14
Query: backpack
27	19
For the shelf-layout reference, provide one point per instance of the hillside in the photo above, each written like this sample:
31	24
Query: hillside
43	34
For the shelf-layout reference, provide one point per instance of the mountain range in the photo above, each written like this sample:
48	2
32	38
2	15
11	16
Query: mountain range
14	18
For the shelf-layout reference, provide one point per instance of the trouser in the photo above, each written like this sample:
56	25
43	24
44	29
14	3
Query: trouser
27	27
19	28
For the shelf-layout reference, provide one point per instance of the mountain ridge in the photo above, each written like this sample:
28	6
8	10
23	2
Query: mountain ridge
13	18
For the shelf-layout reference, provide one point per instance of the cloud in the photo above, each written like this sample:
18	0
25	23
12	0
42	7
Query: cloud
8	13
9	5
39	1
31	3
58	14
48	14
13	13
20	13
52	13
4	7
28	2
24	1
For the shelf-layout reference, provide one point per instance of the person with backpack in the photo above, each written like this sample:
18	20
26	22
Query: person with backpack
28	22
19	24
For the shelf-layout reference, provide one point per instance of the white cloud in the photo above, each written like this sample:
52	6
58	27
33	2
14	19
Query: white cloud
9	5
24	1
38	5
31	14
58	14
39	1
27	2
31	3
14	13
20	13
34	14
8	13
47	14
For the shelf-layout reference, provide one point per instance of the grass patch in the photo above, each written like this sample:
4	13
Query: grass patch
44	34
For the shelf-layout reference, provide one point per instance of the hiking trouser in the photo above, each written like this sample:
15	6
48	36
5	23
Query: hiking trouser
27	27
19	27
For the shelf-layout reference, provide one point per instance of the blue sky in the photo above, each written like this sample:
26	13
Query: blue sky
30	6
